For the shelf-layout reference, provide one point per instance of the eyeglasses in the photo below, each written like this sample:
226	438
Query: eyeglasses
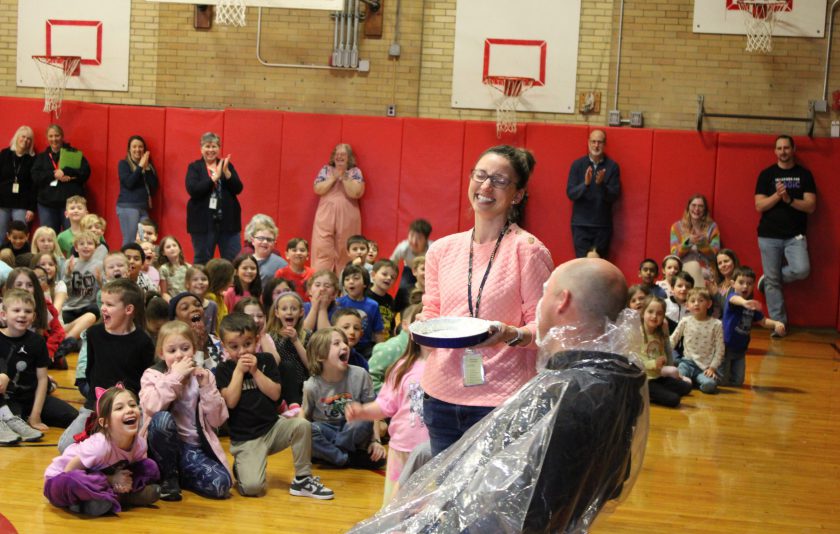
263	239
498	181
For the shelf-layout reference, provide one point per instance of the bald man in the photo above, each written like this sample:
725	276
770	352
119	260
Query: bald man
594	184
555	453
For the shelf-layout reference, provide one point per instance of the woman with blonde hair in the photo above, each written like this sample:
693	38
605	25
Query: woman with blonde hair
17	192
695	239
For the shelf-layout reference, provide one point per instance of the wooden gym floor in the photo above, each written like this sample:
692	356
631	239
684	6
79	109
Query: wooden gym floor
763	458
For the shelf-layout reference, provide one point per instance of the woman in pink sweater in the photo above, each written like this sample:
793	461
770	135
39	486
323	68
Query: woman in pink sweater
495	271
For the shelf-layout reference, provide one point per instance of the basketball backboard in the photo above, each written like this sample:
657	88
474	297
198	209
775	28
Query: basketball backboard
530	39
804	18
329	5
96	31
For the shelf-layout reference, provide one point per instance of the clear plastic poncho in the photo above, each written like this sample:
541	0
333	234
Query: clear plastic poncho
569	444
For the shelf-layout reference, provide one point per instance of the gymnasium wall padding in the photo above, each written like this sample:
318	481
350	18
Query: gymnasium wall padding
431	175
683	163
308	141
420	167
632	149
123	122
184	128
253	139
377	141
548	213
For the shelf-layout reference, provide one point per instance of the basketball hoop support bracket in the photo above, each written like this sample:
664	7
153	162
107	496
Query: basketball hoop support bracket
701	114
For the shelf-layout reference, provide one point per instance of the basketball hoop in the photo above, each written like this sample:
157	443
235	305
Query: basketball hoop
230	12
512	88
759	21
55	71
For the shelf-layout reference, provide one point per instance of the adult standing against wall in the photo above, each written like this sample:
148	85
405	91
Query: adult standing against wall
785	194
495	271
17	193
214	216
695	239
339	185
58	180
594	184
138	182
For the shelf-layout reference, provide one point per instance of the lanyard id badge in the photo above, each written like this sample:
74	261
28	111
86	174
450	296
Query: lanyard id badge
472	368
15	188
214	201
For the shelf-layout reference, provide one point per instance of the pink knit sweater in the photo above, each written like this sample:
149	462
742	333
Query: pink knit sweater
511	293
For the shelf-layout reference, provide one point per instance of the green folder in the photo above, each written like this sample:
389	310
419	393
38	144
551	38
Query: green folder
70	159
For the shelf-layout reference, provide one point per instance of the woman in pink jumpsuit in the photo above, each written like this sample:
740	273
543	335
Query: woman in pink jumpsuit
340	185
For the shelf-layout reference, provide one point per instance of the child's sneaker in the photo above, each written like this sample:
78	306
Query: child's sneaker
310	487
26	432
143	497
7	435
170	489
93	508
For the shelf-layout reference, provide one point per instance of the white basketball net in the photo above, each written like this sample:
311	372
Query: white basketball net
759	21
54	72
511	89
230	12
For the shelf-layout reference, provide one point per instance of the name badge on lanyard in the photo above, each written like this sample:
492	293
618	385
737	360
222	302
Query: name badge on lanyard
15	188
214	201
472	368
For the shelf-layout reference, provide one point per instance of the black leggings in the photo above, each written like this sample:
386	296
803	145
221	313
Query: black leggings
667	391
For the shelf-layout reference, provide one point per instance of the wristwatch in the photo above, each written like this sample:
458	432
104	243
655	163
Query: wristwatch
516	340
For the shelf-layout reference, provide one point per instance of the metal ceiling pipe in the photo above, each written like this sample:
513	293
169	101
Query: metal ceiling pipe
828	47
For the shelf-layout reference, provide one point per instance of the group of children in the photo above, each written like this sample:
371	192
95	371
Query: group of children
171	355
695	335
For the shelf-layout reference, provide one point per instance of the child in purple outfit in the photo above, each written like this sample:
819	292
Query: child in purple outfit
109	469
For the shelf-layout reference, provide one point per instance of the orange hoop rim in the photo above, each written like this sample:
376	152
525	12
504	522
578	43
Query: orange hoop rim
510	85
761	9
60	61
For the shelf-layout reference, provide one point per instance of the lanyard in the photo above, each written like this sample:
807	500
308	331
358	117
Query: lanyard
54	163
486	272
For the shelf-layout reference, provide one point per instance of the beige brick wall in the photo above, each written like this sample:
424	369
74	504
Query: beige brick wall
664	66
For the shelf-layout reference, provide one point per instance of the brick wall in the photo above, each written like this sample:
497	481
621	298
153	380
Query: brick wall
664	66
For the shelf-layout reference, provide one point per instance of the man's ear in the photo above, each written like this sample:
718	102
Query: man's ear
564	300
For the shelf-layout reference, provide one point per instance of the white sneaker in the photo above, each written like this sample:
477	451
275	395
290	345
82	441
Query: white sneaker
26	432
7	435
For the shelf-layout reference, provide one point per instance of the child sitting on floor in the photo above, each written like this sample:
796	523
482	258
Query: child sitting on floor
334	384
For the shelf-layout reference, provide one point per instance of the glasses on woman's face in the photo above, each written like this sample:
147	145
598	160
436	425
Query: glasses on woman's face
498	181
263	239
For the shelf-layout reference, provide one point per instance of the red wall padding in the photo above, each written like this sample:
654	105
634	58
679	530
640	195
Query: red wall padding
548	213
420	168
632	150
683	164
254	141
123	122
431	175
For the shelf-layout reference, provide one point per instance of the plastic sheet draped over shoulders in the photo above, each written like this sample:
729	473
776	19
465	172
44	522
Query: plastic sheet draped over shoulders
568	445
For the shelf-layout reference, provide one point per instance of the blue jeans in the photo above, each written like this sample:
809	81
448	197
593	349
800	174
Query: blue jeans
129	219
798	267
7	215
52	217
204	245
196	469
447	422
334	443
692	370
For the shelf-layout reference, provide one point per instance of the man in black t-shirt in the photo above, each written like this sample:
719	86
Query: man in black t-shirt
785	195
